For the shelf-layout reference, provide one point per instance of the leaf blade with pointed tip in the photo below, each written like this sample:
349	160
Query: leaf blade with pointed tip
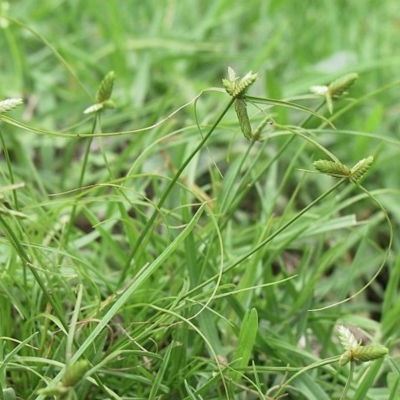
247	337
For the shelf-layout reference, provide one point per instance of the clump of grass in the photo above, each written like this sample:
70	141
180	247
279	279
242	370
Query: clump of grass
164	250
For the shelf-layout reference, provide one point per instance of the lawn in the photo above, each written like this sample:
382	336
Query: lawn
199	200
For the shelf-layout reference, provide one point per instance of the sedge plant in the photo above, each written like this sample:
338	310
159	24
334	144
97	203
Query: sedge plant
155	287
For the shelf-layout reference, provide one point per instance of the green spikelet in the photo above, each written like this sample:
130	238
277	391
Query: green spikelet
370	352
106	87
338	87
339	170
335	90
103	95
347	339
355	351
244	122
257	132
361	168
238	87
9	104
75	372
230	82
244	83
332	168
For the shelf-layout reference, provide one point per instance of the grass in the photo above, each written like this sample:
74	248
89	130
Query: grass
151	251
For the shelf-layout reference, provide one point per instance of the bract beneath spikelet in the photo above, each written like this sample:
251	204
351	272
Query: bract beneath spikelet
320	90
93	108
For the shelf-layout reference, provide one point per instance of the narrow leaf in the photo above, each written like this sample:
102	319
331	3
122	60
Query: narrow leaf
247	336
161	372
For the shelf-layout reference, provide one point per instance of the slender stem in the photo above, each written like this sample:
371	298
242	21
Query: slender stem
245	186
315	365
269	238
80	182
167	191
10	171
349	379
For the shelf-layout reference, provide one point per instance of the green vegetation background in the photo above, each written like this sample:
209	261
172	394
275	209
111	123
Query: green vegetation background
185	315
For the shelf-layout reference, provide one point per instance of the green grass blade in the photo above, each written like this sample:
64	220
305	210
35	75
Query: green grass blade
246	340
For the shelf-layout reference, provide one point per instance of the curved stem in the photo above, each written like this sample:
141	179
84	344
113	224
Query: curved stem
167	191
80	183
270	237
346	388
